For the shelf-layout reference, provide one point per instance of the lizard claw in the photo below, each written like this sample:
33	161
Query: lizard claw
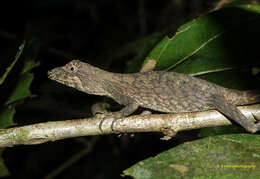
100	124
256	126
256	119
108	115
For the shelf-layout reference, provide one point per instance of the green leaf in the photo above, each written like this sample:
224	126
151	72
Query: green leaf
30	64
3	169
6	116
213	131
226	156
219	41
16	87
21	88
18	54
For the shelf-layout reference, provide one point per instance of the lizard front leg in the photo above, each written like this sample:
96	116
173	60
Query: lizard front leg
232	112
127	110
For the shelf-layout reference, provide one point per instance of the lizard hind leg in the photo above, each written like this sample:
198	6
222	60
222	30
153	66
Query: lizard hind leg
232	112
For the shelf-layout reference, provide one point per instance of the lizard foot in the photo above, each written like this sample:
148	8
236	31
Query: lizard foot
109	115
255	127
100	124
127	110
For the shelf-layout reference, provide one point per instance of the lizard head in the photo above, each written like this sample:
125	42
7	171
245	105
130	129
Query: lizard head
81	76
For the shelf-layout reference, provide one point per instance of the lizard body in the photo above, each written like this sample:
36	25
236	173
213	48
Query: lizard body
162	91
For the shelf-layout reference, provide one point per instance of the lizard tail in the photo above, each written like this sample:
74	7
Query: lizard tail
237	97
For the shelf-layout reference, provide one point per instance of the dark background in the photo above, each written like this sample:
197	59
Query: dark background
97	32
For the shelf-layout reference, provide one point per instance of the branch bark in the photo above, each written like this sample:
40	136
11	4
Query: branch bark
169	124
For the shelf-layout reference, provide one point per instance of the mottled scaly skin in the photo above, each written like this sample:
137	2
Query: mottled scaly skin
157	90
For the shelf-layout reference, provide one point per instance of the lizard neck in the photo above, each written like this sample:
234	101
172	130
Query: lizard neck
119	86
100	82
97	81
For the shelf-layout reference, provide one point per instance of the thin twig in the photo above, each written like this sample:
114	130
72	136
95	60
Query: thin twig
169	124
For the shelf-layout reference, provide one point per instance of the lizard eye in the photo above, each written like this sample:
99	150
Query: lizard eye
72	67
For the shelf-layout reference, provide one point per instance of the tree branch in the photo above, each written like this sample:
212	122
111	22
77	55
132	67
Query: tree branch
169	124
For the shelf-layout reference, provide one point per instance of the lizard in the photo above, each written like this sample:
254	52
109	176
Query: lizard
162	91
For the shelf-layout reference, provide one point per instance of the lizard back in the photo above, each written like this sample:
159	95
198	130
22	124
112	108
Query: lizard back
174	92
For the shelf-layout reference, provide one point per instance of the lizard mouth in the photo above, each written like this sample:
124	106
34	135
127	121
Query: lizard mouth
53	76
63	78
58	74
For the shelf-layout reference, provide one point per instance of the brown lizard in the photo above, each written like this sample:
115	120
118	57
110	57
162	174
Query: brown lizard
162	91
